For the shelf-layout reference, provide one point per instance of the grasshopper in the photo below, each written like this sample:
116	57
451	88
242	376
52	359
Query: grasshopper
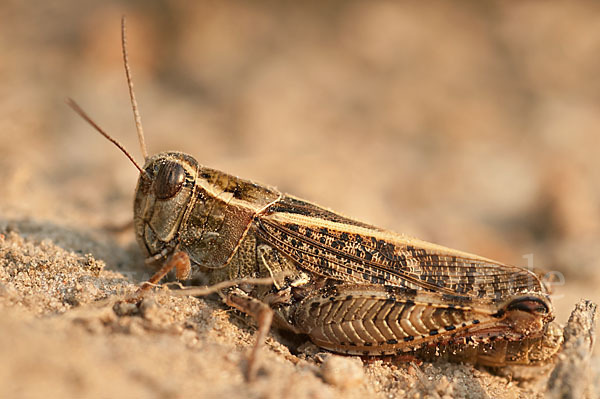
351	287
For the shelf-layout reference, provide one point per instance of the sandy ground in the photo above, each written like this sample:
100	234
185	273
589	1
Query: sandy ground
473	126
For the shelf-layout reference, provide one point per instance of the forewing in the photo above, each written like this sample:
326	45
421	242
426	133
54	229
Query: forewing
334	246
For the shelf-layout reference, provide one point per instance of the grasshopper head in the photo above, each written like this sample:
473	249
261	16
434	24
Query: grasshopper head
178	204
162	198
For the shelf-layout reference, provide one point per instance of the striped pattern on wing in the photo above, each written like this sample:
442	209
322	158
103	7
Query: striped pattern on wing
327	244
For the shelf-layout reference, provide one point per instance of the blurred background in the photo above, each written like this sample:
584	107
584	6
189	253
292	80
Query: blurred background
470	124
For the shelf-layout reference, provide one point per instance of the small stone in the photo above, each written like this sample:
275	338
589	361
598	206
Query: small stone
156	315
125	309
93	265
148	308
309	349
343	372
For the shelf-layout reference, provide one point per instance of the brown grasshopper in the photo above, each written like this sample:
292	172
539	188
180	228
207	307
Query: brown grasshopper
351	287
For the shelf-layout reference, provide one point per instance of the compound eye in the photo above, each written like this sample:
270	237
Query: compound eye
169	180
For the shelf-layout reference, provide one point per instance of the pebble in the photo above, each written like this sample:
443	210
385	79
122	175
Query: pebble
343	372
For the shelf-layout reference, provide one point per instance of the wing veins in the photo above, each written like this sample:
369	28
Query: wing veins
398	273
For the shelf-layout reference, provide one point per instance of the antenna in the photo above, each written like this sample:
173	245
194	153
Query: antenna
89	120
134	106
